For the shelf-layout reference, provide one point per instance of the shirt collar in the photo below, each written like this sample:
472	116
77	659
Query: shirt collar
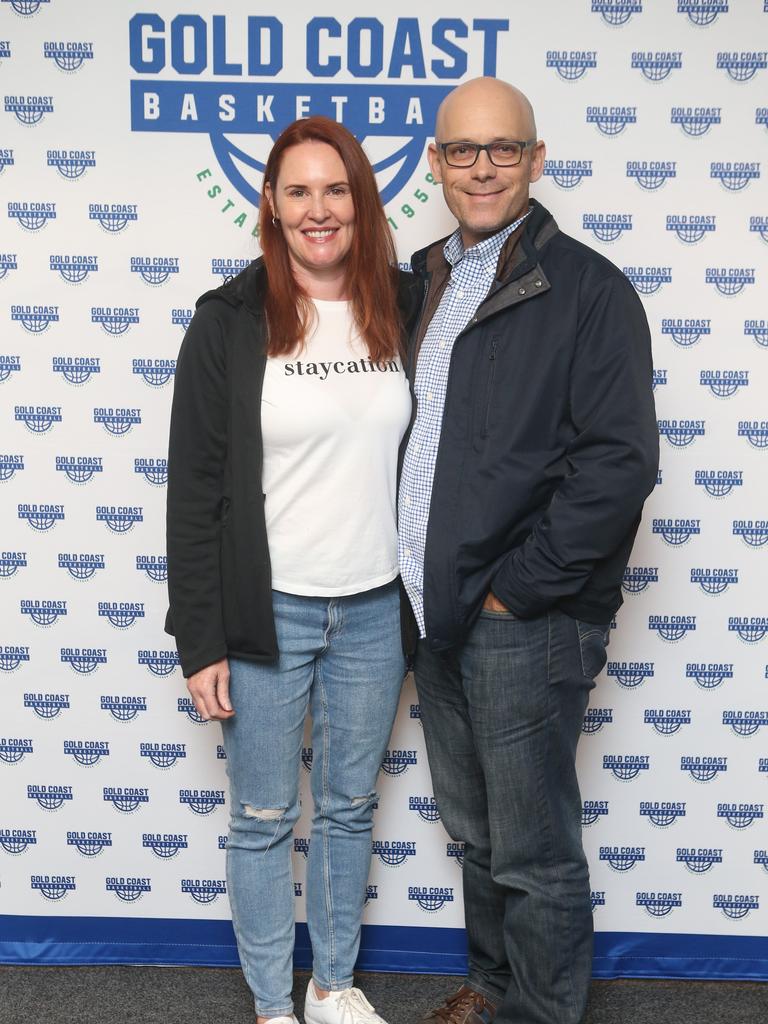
486	252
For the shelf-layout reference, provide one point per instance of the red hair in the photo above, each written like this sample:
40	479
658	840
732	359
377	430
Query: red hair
371	277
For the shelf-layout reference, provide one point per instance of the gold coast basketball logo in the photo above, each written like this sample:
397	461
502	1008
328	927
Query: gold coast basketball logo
222	76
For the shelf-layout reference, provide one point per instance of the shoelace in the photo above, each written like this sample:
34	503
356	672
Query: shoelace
457	1005
353	1005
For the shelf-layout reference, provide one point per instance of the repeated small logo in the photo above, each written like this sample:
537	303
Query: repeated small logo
760	857
730	281
702	13
735	907
119	518
750	629
687	331
568	174
6	159
89	844
676	532
154	567
592	811
117	421
662	813
667	721
648	280
740	815
691	228
41	517
742	66
307	757
371	893
755	431
113	217
425	807
571	65
659	904
622	858
45	705
163	755
651	174
13	750
611	121
301	846
202	801
159	663
221	755
595	719
709	674
761	117
626	767
745	723
53	887
228	268
698	859
657	66
80	469
126	799
672	628
455	852
9	365
185	706
607	227
181	318
11	562
154	471
758	225
127	889
121	614
8	263
123	708
155	372
50	797
35	319
397	762
718	483
17	841
393	853
597	899
43	612
26	8
414	712
115	320
431	898
659	379
616	12
154	270
32	216
83	660
68	57
76	370
637	579
734	175
206	891
681	433
703	768
715	581
71	164
5	49
695	121
753	532
86	752
630	674
29	110
165	845
81	566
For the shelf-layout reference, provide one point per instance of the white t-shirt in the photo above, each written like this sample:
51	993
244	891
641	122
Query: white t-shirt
332	421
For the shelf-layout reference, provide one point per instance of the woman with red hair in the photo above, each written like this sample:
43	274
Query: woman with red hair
289	406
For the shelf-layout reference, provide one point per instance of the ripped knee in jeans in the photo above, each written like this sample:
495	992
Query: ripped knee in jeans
264	813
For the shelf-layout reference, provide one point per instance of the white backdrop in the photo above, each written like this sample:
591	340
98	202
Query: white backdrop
129	168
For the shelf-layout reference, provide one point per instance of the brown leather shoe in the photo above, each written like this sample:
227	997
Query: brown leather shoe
464	1007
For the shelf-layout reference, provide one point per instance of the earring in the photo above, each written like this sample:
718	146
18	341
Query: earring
275	222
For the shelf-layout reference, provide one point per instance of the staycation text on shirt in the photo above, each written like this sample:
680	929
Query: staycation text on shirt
321	370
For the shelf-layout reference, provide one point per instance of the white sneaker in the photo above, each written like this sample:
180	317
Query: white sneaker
348	1006
284	1020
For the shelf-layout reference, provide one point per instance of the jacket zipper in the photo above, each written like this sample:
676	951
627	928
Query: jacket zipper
489	389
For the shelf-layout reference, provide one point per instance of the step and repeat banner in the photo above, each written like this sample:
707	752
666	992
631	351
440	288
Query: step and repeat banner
132	141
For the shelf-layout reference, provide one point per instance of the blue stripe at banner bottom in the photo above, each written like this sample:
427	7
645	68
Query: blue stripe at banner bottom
180	942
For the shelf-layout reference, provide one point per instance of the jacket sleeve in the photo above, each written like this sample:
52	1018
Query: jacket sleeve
611	461
196	458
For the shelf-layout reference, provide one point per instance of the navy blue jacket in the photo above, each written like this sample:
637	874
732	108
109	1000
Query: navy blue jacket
549	442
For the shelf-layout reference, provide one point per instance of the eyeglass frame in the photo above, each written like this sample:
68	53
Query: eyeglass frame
523	143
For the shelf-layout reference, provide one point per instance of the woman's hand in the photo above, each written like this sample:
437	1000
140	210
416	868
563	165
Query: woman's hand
210	691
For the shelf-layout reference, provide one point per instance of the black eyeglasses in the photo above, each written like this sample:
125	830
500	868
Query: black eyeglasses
501	154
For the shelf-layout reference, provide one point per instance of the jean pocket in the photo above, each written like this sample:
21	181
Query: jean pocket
593	643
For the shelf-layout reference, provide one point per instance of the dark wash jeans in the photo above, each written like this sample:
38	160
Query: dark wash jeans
502	716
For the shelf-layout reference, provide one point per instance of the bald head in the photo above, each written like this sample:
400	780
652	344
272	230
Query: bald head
488	98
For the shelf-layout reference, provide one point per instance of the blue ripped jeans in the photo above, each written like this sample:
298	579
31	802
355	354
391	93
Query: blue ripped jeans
341	660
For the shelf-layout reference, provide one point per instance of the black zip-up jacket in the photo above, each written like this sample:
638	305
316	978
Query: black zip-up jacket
549	442
219	579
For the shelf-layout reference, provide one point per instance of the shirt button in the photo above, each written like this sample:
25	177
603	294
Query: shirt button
407	501
407	552
441	344
417	447
430	396
460	293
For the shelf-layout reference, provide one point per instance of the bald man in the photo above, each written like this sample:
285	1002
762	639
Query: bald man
531	452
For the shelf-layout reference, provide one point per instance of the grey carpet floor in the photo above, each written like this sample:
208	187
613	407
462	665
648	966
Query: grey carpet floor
172	995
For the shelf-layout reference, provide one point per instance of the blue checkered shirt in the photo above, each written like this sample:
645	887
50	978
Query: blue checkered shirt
472	274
